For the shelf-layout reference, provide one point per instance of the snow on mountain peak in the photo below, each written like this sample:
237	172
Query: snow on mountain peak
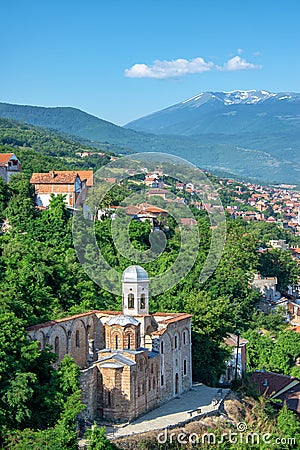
229	97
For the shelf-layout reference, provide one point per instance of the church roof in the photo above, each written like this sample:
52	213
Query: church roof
134	274
123	321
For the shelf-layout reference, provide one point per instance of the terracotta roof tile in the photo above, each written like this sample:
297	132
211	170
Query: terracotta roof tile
87	175
268	383
53	177
5	157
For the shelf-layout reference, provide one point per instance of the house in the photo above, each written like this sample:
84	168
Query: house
159	192
188	221
9	166
266	286
67	183
145	211
281	388
236	366
130	361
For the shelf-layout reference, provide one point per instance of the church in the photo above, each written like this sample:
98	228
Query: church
131	362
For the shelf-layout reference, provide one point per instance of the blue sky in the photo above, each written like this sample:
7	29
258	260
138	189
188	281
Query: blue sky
120	60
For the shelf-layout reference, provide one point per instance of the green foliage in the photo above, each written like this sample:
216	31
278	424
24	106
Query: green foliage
280	264
276	354
96	439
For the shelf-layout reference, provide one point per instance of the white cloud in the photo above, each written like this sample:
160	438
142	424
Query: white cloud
238	63
169	69
179	67
240	51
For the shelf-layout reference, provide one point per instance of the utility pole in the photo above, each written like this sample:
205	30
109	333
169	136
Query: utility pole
237	354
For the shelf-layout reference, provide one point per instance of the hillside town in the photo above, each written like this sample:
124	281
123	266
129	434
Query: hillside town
133	354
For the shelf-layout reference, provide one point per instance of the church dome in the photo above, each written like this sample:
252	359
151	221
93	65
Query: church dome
123	321
134	274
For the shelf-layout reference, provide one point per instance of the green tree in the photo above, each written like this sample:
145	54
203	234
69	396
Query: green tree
96	439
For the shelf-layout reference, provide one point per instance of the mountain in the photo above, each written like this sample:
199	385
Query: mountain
68	120
248	134
226	113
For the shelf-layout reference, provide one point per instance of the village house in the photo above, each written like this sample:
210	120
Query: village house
267	287
9	166
68	183
236	365
130	361
283	389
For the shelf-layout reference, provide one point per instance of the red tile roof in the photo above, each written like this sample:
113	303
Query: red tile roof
87	175
53	177
269	383
291	397
5	157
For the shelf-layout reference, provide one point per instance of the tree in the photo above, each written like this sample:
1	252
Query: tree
279	263
96	439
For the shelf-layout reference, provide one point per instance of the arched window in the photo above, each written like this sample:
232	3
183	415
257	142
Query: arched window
149	385
162	380
153	384
139	391
151	368
128	341
162	348
143	301
117	341
56	345
77	339
130	301
108	398
184	367
176	341
184	337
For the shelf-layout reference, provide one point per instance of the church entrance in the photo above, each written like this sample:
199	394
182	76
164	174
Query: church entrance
176	384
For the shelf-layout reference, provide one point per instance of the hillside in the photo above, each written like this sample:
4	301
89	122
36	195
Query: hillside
227	113
40	150
270	155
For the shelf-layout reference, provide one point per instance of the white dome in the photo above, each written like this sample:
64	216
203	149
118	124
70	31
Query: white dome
123	321
134	274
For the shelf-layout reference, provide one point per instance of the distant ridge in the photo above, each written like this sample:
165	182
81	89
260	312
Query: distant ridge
226	112
249	134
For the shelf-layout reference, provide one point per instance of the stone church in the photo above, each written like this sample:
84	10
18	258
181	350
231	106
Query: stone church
130	362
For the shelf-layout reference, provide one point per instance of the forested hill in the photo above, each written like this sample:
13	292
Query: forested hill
41	150
270	156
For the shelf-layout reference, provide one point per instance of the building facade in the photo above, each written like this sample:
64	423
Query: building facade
131	361
69	183
9	166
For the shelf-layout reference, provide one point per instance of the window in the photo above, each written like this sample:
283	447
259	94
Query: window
139	391
151	368
56	345
77	339
184	337
176	343
143	301
117	342
130	301
108	398
162	348
149	385
184	367
162	380
153	384
128	341
143	389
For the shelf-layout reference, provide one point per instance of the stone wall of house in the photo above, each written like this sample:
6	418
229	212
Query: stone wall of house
176	364
91	393
74	336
